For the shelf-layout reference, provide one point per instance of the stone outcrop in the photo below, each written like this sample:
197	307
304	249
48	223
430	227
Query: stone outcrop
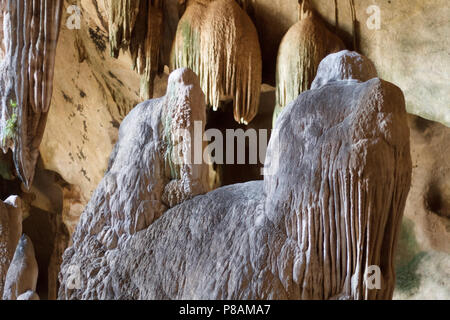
22	274
219	42
408	46
11	214
305	44
423	259
338	171
145	175
30	30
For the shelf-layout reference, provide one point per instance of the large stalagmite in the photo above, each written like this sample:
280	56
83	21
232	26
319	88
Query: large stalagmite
150	170
303	47
30	30
338	171
219	42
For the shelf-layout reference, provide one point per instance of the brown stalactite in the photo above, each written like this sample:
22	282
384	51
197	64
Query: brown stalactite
303	47
218	41
31	30
137	26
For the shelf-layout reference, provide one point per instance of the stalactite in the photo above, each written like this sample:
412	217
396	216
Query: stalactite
303	47
219	42
31	29
136	26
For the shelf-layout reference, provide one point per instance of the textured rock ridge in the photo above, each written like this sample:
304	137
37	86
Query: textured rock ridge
144	177
338	173
30	30
219	42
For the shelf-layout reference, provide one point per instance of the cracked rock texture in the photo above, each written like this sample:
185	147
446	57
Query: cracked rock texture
338	172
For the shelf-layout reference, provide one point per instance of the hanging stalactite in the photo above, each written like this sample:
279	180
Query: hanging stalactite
31	30
136	26
219	42
303	47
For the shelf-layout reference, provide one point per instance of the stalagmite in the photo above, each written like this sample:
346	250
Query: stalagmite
136	25
303	47
151	169
22	274
30	29
219	42
337	174
11	214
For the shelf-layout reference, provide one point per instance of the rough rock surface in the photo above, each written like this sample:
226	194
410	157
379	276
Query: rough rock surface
23	272
423	259
331	203
219	42
305	44
11	214
145	177
30	29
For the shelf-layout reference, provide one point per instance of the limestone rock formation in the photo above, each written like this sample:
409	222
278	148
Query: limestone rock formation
29	295
137	26
11	214
338	173
30	30
150	170
22	273
219	42
303	47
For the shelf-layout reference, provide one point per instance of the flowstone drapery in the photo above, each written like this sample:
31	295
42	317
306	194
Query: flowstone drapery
338	170
303	47
219	42
30	30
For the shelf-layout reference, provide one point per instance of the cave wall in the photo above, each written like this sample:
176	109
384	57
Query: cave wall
93	92
410	49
